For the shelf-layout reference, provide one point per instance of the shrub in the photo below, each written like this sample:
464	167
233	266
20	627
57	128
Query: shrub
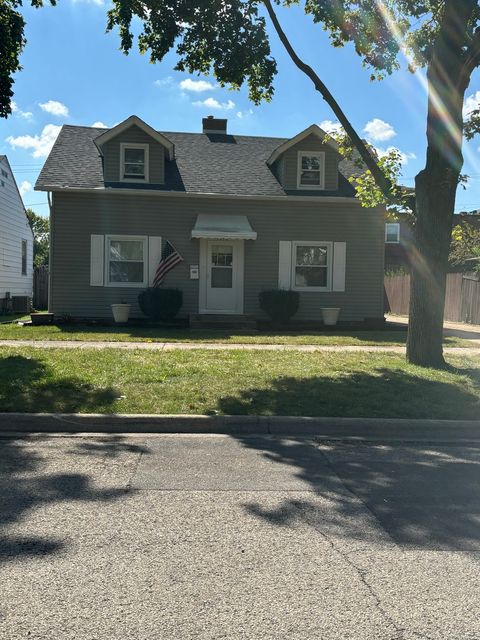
160	304
279	304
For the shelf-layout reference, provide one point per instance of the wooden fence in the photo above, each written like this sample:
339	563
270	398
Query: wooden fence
462	301
40	288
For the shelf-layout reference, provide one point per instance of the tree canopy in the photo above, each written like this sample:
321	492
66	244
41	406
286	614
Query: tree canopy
40	227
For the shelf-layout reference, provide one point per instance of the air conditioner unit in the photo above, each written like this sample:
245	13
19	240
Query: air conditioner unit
21	304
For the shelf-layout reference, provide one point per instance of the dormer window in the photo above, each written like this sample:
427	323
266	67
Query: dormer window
133	162
311	170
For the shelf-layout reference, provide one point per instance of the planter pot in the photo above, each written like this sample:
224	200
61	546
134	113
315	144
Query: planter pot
330	315
120	312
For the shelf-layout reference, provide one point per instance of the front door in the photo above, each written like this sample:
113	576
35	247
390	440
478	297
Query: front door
224	276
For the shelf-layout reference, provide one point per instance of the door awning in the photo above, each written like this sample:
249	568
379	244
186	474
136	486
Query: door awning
223	227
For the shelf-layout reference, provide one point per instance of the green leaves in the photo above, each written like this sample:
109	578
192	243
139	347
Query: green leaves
40	227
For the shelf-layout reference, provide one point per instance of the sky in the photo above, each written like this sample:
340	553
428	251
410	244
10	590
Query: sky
74	73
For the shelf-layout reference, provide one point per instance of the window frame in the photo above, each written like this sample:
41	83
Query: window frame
125	238
397	225
24	243
312	243
311	187
134	145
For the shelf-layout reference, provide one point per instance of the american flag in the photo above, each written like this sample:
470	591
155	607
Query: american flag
170	258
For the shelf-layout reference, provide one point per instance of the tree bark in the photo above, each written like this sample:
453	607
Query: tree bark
436	186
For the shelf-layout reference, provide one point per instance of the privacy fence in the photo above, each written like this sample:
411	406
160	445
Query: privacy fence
462	303
40	288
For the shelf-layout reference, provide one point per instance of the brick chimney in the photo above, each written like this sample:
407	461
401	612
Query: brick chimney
214	125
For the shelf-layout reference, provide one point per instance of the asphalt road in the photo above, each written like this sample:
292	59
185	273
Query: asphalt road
212	537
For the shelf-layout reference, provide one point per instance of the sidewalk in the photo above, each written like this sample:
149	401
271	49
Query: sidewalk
214	346
456	329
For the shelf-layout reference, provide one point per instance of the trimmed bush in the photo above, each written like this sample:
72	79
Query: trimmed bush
279	304
160	304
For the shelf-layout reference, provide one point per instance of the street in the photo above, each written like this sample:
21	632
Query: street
209	537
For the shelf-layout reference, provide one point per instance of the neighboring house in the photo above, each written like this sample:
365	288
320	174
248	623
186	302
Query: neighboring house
16	245
246	213
398	245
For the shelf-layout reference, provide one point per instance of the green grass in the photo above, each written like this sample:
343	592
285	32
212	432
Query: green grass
236	382
155	334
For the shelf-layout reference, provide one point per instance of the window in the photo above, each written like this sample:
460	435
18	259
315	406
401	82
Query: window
126	261
134	162
312	265
392	232
222	266
311	170
4	173
24	257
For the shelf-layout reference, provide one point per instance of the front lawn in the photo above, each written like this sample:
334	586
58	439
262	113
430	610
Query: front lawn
154	334
236	382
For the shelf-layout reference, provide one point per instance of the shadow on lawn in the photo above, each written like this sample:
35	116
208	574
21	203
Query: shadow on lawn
25	386
384	393
26	485
418	496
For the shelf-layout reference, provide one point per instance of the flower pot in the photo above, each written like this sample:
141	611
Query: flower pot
120	312
330	315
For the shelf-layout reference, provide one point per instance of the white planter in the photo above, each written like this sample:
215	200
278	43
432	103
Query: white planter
330	315
120	312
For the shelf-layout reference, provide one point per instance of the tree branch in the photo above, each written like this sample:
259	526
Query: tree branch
381	180
472	60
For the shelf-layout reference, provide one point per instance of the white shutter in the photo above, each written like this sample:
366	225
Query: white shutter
339	264
284	264
97	247
154	255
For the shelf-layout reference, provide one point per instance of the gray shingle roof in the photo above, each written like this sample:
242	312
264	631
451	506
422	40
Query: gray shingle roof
219	164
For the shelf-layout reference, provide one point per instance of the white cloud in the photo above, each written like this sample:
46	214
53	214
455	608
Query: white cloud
21	114
379	130
405	157
163	82
471	103
99	125
54	107
39	144
25	187
331	127
197	86
244	114
211	103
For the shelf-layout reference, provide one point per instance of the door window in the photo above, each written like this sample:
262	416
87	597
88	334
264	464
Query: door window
221	267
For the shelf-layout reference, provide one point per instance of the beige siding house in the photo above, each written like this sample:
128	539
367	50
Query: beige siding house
246	214
16	245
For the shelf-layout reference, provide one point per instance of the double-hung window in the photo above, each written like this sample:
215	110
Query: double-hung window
392	232
126	261
311	170
312	265
134	162
24	257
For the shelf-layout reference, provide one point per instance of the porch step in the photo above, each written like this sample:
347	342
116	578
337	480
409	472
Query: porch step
221	321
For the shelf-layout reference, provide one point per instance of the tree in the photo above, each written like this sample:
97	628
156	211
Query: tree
465	248
40	227
229	39
12	43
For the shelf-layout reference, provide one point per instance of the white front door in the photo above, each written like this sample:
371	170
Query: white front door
223	276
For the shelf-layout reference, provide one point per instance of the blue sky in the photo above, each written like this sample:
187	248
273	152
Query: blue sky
74	73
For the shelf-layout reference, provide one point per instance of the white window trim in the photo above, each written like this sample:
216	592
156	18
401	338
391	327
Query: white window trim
311	187
397	241
313	243
134	145
137	285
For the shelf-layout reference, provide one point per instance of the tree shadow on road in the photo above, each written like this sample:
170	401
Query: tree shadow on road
26	485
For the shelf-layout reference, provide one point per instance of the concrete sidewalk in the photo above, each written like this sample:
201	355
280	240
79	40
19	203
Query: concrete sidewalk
454	329
190	346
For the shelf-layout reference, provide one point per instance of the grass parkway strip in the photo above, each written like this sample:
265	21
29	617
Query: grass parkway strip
236	382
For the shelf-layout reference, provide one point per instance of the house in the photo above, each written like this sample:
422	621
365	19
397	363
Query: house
398	245
246	214
16	246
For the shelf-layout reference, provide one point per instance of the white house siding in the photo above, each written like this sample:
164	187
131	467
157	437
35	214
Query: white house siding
76	216
14	228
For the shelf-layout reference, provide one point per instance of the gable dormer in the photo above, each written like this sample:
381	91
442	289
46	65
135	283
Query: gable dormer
307	163
134	153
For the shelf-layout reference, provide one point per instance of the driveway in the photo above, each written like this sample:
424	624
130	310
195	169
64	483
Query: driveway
215	537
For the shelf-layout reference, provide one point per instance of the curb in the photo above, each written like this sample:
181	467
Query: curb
368	429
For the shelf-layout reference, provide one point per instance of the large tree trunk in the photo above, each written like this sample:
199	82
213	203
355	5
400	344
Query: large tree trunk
436	186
